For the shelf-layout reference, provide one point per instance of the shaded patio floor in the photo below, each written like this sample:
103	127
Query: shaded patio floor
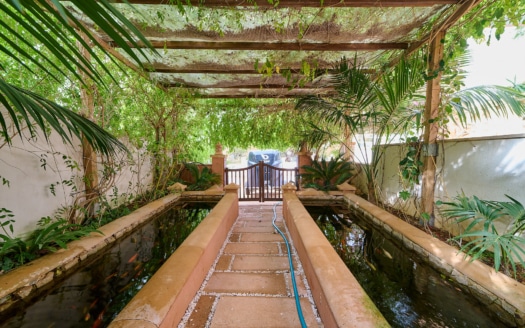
250	284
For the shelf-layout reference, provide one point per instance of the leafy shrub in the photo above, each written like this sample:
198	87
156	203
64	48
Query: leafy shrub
505	247
15	251
203	179
323	175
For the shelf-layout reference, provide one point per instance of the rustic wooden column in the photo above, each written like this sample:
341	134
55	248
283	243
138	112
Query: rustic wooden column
430	146
218	163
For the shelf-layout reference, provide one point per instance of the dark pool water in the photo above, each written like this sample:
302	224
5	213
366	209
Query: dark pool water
407	293
96	293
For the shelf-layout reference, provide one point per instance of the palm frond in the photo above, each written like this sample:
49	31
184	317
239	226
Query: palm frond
56	28
36	111
47	36
487	101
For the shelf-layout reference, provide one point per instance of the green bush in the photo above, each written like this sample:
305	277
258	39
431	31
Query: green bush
326	175
53	234
505	247
203	179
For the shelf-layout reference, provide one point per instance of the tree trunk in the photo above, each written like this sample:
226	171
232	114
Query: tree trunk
89	156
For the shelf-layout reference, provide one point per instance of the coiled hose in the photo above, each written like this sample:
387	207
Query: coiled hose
292	272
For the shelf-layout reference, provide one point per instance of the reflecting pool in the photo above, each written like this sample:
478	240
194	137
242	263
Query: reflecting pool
97	292
408	293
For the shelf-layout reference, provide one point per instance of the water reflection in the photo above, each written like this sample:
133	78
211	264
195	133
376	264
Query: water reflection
407	293
93	296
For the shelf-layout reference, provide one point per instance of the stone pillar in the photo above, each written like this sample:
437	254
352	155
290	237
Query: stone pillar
288	191
232	188
289	188
304	157
218	163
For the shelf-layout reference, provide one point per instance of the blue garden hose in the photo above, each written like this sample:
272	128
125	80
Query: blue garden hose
292	272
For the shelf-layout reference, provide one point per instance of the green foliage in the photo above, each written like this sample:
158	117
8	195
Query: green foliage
202	179
484	102
411	165
52	235
365	107
45	42
505	247
326	175
113	207
494	16
374	111
245	123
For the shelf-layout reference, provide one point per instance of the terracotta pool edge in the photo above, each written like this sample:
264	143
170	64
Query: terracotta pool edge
28	280
339	298
163	300
504	296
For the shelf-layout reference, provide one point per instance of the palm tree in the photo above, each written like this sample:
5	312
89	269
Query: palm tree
380	106
505	245
326	175
387	106
46	35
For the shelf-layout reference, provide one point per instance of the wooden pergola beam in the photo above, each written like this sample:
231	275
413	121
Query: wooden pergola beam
460	10
243	86
303	3
198	69
262	93
276	46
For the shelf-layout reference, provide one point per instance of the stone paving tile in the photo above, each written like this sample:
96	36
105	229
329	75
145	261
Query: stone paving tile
202	310
301	289
263	223
252	248
260	263
235	237
258	312
250	283
224	263
243	229
264	237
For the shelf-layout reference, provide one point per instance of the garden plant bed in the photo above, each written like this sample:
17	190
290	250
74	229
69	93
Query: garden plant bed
446	237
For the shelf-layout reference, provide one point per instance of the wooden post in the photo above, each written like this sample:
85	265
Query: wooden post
430	146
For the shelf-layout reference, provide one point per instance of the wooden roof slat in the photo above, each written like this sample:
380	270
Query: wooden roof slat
283	46
243	86
262	93
304	3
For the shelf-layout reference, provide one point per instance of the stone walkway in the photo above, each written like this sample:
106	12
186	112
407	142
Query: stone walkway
250	283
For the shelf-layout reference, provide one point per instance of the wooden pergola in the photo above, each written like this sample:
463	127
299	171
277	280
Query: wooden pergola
262	48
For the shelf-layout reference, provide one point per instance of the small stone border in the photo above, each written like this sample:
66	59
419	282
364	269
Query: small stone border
340	299
502	295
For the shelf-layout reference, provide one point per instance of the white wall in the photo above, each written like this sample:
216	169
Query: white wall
29	196
486	167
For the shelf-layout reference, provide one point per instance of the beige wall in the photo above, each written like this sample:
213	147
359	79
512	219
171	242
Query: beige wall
29	196
487	168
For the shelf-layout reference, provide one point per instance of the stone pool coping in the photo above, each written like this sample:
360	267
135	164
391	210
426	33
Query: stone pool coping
340	299
29	280
164	299
503	295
